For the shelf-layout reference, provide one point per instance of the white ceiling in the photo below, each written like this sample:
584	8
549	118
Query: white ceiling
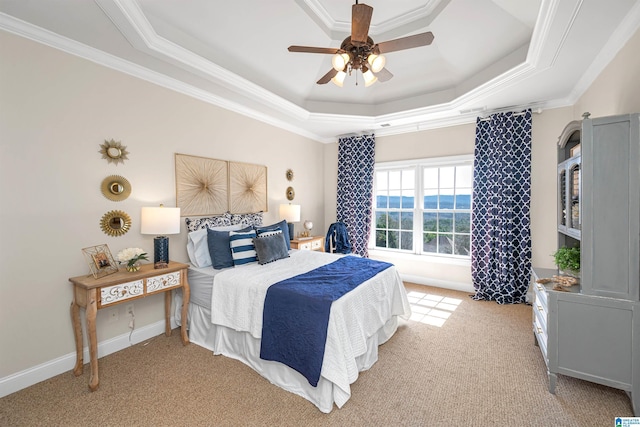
487	55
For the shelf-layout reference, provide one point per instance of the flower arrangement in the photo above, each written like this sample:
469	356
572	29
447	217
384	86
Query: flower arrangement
132	256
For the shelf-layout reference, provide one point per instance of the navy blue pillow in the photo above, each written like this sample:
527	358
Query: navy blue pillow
282	225
219	250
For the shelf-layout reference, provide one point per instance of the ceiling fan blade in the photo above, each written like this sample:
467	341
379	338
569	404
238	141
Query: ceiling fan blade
409	42
360	21
327	77
311	49
383	75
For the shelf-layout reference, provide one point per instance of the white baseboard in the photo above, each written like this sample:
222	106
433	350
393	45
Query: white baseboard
446	284
28	377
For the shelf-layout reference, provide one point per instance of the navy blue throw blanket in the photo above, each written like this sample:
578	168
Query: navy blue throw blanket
296	312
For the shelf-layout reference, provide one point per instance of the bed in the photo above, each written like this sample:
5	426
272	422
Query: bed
226	311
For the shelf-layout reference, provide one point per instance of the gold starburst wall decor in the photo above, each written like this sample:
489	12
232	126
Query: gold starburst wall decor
201	185
247	187
113	151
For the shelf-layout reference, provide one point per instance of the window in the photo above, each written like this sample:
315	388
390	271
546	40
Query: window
424	207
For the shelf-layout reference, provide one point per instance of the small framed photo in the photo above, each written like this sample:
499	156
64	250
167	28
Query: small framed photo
100	260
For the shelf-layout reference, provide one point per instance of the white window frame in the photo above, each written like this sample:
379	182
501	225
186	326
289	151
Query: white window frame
418	165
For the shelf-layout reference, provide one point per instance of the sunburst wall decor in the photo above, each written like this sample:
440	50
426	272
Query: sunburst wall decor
201	185
113	151
247	187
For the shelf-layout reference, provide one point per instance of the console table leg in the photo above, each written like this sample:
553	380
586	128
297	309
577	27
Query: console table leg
91	311
186	294
167	313
77	334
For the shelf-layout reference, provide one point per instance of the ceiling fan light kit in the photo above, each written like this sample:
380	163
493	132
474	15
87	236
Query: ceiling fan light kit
359	52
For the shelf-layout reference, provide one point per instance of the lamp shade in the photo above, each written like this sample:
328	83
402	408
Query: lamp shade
160	220
290	213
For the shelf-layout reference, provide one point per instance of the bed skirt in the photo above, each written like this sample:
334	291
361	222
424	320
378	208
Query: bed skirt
245	348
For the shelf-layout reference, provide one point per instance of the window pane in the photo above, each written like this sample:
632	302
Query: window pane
446	198
407	199
406	240
394	180
429	221
392	241
381	180
462	244
429	243
407	221
445	244
408	179
381	220
447	177
463	223
464	176
463	198
381	200
394	220
394	199
445	222
381	238
430	199
430	177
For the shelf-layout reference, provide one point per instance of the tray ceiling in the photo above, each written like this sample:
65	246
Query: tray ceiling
487	55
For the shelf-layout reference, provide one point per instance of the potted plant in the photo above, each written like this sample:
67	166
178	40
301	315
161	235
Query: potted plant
568	260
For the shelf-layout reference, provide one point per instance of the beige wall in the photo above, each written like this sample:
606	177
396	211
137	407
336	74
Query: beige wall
56	110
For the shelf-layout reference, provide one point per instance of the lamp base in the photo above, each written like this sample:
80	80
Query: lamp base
161	252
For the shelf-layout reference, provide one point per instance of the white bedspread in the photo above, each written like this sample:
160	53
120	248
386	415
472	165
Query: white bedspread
238	300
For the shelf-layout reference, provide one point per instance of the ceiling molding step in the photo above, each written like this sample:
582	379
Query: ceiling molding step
542	28
146	39
338	30
567	30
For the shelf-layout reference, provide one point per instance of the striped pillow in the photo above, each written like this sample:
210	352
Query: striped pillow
242	249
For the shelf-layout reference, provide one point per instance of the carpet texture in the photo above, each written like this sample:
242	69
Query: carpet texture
479	368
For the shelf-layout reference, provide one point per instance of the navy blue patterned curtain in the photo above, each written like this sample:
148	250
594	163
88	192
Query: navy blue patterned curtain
500	236
356	160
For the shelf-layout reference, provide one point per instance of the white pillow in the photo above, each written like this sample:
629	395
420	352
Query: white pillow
198	248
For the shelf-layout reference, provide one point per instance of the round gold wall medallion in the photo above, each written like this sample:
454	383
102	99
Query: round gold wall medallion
290	193
116	188
115	223
289	175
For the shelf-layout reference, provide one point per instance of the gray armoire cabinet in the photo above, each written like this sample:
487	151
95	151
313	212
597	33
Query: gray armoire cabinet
592	332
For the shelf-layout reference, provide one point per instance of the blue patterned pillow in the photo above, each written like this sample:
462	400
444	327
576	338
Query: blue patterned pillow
247	219
243	250
194	224
218	244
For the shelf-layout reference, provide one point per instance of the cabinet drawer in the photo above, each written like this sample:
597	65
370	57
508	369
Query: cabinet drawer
121	292
165	281
540	314
541	295
305	246
541	336
316	244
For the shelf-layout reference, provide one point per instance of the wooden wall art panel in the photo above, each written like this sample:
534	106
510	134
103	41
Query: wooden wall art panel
247	188
202	185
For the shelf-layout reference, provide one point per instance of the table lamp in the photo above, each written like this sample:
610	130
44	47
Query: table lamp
160	221
290	213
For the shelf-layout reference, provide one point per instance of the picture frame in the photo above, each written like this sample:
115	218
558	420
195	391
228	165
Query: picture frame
100	260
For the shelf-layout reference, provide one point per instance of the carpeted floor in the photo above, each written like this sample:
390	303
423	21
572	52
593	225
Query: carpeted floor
462	362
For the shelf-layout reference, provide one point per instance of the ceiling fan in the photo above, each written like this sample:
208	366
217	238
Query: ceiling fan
359	52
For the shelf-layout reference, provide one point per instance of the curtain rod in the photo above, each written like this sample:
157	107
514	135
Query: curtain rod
521	113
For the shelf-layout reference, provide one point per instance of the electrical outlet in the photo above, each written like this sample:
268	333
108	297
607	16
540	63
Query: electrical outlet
129	310
113	315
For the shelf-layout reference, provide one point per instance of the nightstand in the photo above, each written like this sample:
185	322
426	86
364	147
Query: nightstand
315	243
93	294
